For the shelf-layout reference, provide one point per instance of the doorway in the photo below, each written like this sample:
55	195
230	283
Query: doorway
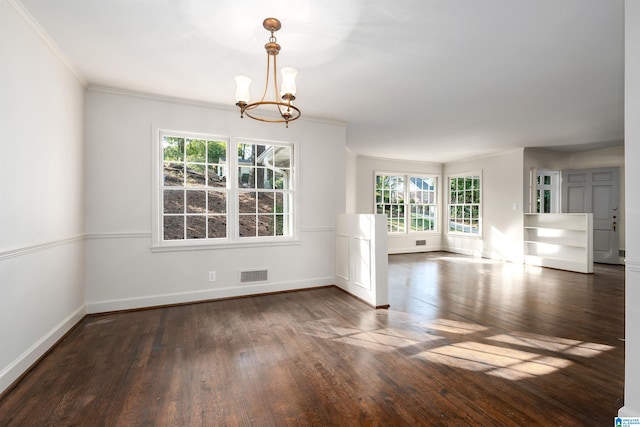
596	191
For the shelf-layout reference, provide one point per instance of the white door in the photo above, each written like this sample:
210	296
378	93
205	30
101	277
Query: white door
595	191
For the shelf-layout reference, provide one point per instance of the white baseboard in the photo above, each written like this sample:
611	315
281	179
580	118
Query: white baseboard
19	366
204	295
414	249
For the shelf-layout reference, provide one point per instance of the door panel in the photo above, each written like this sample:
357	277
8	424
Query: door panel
576	201
595	191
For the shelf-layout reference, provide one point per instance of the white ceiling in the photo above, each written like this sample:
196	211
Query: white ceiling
435	80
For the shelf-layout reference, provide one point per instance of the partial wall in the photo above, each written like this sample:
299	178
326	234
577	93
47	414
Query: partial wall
361	257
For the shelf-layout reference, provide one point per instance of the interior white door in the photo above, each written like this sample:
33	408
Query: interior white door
595	191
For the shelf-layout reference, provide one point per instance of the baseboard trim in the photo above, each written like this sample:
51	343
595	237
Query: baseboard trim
17	369
414	249
150	301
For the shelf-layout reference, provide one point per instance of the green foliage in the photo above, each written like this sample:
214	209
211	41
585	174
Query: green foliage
193	150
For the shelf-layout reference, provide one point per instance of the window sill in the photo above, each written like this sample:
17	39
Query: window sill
216	246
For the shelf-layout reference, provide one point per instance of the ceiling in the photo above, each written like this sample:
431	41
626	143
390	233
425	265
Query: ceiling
432	80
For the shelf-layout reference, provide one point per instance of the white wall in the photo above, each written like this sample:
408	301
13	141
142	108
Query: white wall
365	183
632	174
351	182
502	225
122	272
42	290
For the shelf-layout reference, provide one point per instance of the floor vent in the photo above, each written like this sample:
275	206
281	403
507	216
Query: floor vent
253	276
421	242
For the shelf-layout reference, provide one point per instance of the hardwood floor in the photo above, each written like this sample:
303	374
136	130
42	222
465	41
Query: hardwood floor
466	342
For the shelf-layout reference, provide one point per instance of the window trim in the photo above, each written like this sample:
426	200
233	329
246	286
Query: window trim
464	174
232	240
407	205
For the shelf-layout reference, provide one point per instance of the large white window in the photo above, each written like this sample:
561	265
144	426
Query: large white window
216	190
409	201
465	204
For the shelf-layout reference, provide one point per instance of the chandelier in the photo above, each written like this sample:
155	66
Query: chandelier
281	109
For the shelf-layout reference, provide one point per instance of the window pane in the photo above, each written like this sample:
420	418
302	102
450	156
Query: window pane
173	148
547	180
281	225
246	177
265	202
196	201
173	175
247	202
547	201
217	202
282	157
196	150
195	175
216	152
216	176
196	227
247	225
173	201
280	200
264	178
173	228
217	227
264	155
265	225
281	180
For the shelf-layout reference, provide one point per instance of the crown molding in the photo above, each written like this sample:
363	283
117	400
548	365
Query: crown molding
31	22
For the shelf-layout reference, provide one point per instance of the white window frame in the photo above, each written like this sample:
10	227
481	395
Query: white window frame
232	239
553	188
407	204
446	215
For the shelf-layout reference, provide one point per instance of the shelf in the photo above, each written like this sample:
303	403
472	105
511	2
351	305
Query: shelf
563	241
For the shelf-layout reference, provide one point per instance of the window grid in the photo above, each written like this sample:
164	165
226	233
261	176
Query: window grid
194	190
208	195
265	190
407	200
464	204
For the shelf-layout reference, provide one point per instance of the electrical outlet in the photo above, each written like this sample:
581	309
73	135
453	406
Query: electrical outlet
212	276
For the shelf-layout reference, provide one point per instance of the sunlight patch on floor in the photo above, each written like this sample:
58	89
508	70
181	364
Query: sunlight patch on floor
555	344
454	326
497	361
377	341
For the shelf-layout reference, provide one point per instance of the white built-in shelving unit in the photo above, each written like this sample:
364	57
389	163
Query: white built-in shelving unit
559	240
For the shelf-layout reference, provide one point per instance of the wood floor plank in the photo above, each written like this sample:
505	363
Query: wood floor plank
466	342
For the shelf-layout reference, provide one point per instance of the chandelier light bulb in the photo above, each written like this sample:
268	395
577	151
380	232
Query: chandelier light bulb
288	81
242	89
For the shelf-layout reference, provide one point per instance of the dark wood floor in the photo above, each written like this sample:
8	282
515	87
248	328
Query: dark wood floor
466	342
